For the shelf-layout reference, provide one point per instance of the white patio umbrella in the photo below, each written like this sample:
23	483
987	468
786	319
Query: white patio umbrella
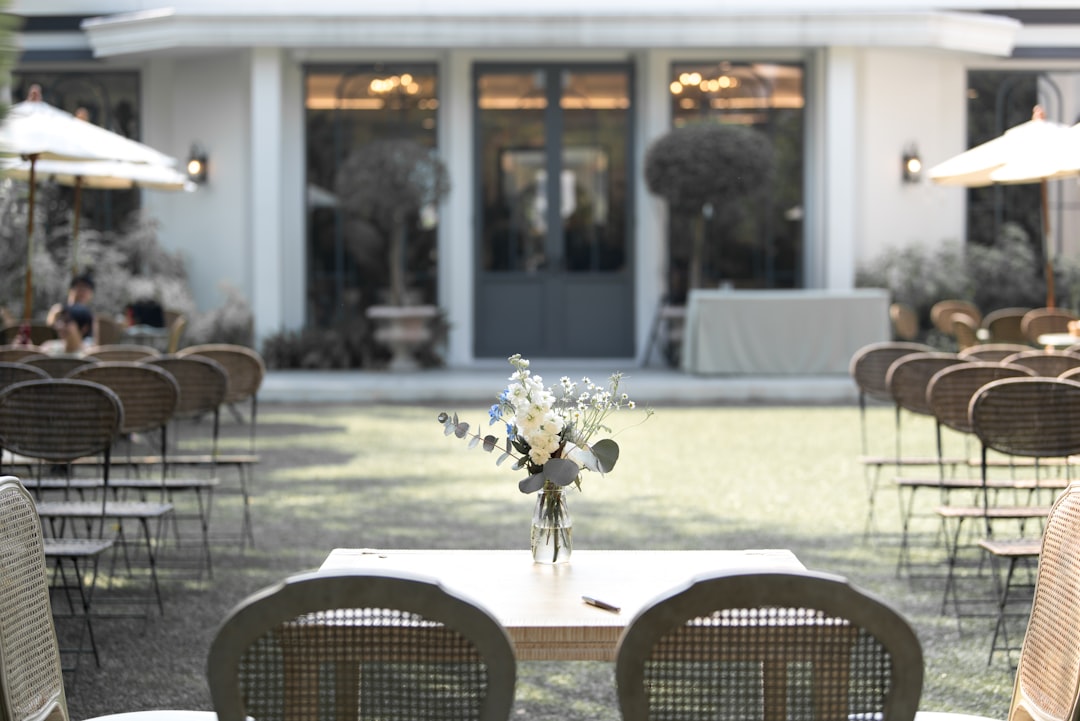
100	175
1030	145
35	131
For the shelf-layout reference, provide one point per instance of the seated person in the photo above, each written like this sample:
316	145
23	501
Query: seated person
80	292
146	312
75	324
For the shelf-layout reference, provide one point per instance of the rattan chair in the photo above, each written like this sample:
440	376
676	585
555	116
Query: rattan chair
39	333
1048	669
11	372
20	353
948	395
245	369
149	396
59	366
904	321
31	678
966	330
361	645
941	313
868	368
768	646
57	421
107	331
122	352
1046	363
992	352
203	388
1037	418
1039	321
1003	325
907	380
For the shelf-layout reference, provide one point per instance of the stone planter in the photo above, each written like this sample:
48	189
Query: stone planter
403	329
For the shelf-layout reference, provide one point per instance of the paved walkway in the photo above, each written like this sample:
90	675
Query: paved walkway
653	386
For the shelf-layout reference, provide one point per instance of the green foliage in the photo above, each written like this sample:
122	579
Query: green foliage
128	265
1007	274
708	163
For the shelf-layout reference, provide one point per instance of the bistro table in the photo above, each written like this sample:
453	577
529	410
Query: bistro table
1058	340
542	606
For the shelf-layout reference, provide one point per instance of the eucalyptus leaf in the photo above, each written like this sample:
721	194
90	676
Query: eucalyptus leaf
490	442
461	430
502	459
584	457
531	484
561	471
607	453
474	441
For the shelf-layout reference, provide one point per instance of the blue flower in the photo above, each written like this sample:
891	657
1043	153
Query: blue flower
495	413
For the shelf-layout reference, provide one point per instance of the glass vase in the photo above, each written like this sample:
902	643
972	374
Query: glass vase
552	529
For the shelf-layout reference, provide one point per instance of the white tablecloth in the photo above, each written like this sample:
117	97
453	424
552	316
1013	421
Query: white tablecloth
781	332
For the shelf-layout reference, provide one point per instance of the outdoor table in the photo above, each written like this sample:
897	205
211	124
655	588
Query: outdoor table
541	605
781	332
1058	340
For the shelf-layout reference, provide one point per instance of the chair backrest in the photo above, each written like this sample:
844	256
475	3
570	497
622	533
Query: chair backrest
20	353
965	329
1048	670
176	327
1003	325
993	352
1031	417
39	333
107	331
122	352
59	366
1039	321
1047	363
871	363
31	679
941	313
905	324
768	645
203	383
909	376
426	652
244	367
147	393
11	373
951	389
58	419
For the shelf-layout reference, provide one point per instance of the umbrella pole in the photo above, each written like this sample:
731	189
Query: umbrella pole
28	298
1049	270
75	227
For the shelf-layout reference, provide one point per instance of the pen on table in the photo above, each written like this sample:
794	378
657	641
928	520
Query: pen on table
600	604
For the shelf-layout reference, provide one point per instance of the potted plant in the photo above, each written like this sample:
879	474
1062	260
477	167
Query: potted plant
391	184
707	169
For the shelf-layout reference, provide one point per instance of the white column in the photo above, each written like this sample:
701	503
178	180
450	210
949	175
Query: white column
653	110
265	245
840	201
457	244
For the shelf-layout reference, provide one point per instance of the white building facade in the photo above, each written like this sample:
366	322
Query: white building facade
239	79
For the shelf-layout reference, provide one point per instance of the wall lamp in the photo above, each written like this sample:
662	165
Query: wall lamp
196	164
911	165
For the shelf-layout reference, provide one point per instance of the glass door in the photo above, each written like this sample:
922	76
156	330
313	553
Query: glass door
554	274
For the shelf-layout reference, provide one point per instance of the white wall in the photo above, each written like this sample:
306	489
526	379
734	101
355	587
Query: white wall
205	100
907	98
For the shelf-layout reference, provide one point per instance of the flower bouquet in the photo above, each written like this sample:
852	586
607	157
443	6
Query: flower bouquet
549	434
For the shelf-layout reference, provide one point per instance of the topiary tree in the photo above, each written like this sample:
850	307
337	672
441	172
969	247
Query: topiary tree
385	183
706	168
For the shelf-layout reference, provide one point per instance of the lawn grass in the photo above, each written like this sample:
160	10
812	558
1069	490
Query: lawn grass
690	477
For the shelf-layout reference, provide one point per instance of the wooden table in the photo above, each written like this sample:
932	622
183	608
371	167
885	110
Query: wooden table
541	606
